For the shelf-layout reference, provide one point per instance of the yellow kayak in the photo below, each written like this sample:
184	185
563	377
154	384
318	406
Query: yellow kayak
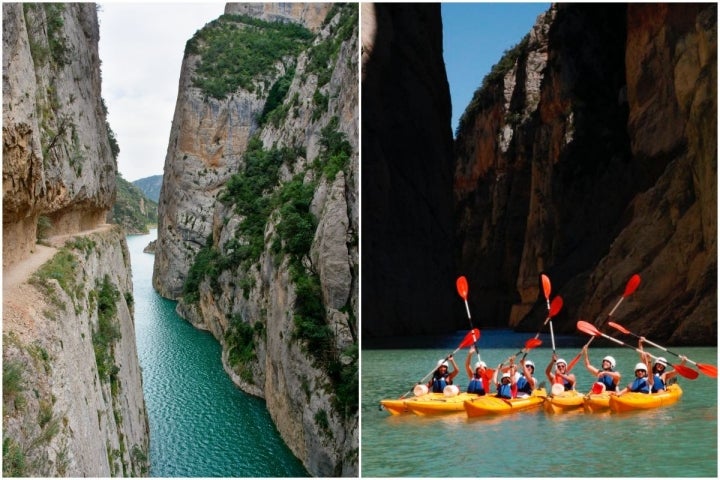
440	405
398	406
492	405
639	401
564	402
596	402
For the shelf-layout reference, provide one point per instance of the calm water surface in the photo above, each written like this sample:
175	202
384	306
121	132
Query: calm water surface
201	425
674	441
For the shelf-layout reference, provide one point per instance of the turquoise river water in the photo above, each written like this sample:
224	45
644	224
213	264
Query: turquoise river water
674	441
201	425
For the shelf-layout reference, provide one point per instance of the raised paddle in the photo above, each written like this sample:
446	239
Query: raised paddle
468	340
590	329
709	370
630	288
547	288
462	288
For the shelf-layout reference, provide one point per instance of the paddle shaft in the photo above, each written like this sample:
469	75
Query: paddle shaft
625	330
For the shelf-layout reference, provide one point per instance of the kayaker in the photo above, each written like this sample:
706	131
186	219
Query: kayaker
661	376
476	384
506	384
441	377
561	376
642	383
525	380
608	377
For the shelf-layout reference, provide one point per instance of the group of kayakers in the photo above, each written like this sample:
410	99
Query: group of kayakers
518	380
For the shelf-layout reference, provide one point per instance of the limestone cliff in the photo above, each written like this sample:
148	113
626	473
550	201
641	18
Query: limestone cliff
72	387
407	233
258	215
57	159
589	154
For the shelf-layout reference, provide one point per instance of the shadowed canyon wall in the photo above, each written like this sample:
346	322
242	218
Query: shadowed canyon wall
588	154
407	231
590	157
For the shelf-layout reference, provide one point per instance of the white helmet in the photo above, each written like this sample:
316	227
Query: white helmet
611	360
641	366
529	363
505	375
662	361
442	363
559	361
480	364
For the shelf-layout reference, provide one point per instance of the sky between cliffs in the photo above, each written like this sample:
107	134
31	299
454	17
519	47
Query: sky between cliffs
141	49
475	37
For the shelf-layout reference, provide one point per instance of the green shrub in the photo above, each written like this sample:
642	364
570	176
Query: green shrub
276	97
235	50
108	331
14	464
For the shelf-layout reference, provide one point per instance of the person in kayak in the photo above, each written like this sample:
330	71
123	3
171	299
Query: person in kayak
608	377
524	380
561	375
642	383
441	377
506	386
661	376
476	384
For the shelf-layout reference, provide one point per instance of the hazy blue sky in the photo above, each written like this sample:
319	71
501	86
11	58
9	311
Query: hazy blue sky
141	49
475	36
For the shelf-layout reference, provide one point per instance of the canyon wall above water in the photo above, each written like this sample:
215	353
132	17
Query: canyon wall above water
72	386
587	154
258	215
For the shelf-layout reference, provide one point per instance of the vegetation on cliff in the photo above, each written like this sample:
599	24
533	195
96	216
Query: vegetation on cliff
132	209
236	49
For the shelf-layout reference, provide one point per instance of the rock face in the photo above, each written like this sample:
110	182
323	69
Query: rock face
592	156
57	161
256	306
407	233
72	387
77	408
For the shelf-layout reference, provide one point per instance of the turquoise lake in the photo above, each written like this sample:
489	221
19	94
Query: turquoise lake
674	441
201	425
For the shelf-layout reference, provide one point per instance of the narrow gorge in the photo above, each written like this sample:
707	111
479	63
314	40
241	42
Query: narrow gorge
72	387
588	153
258	215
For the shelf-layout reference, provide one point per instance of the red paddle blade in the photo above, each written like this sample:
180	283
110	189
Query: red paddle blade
619	327
546	285
588	328
686	372
472	336
532	343
462	287
709	370
632	285
555	306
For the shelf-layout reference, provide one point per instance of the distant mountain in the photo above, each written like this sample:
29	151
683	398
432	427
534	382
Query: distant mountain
132	208
150	186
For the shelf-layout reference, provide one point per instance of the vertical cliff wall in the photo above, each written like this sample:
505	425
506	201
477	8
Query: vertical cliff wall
72	387
407	232
589	154
258	216
57	161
